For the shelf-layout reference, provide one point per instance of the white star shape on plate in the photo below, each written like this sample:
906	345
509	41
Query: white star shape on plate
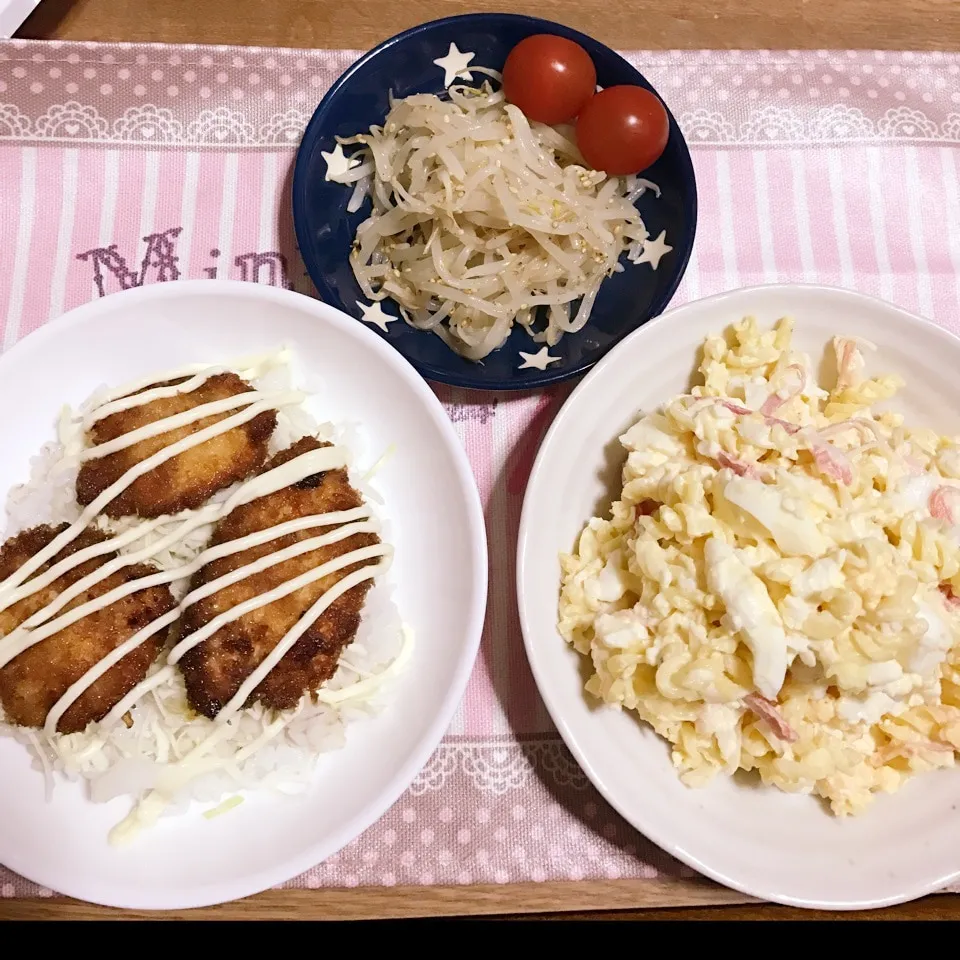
454	65
538	360
373	313
653	250
338	163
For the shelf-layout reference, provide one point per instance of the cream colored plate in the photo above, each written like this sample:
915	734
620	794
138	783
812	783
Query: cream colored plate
755	839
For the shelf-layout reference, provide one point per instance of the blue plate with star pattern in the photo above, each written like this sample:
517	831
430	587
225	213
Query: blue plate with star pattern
405	65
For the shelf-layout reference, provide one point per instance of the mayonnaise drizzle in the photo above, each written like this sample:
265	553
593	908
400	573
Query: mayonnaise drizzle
78	558
22	638
184	419
278	593
351	522
249	367
78	688
148	396
283	476
155	680
301	627
213	553
297	549
115	489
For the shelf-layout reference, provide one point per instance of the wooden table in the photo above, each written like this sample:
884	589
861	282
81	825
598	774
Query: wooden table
636	24
633	24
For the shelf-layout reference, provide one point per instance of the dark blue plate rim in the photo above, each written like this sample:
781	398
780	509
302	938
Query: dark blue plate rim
430	372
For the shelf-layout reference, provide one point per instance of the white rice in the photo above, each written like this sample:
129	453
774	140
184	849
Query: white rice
258	748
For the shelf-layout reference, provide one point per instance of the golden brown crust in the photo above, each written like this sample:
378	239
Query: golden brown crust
32	683
189	479
215	669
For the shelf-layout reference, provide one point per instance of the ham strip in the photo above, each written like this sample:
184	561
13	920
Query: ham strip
767	711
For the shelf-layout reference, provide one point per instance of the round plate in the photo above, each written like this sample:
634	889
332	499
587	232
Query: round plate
754	839
440	574
404	64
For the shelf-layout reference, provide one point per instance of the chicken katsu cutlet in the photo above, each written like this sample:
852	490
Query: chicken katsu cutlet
189	479
214	670
33	682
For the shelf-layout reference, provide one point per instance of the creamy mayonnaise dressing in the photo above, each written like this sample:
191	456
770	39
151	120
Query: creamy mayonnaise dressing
45	622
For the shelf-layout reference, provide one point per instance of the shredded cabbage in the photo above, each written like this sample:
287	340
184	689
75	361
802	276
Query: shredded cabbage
229	804
480	218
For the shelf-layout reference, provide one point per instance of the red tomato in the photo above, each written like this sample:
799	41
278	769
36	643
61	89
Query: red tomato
549	78
622	130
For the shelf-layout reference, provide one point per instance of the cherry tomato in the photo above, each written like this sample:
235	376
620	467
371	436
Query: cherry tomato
549	78
622	130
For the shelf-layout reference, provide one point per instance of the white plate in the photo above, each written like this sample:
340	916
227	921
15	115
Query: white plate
440	572
13	13
754	839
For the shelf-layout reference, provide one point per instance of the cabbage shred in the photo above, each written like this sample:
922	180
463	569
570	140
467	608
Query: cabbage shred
481	219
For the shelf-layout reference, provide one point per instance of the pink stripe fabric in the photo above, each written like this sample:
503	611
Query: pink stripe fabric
86	236
746	249
43	248
935	228
130	164
11	166
207	257
860	233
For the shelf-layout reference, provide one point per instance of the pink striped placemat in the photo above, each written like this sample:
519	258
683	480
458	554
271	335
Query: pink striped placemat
129	164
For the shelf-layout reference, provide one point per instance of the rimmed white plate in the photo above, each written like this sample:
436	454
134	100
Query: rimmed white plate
440	573
779	847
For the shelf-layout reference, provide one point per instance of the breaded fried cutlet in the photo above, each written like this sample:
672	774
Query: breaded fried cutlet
189	479
214	670
32	683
